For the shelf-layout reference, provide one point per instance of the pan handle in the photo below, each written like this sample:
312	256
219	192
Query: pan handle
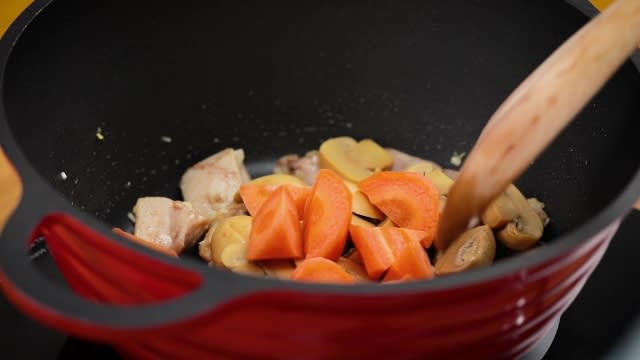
116	288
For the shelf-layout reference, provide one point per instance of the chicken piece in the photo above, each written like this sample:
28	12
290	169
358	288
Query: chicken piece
306	167
402	161
168	223
211	184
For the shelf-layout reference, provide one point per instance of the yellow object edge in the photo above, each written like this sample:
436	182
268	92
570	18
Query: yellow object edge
9	11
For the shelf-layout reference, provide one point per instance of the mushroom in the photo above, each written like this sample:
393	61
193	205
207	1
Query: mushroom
538	207
354	268
279	269
278	179
228	241
519	226
249	269
353	160
360	204
442	182
474	248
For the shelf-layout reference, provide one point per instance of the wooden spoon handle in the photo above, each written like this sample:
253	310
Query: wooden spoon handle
537	111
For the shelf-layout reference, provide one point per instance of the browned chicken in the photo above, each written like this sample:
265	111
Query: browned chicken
168	223
211	184
306	167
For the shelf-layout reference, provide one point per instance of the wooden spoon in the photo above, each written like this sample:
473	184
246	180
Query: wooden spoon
537	111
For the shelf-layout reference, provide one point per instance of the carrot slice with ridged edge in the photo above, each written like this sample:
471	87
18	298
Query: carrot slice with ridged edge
411	263
321	270
327	217
408	199
379	247
254	195
275	229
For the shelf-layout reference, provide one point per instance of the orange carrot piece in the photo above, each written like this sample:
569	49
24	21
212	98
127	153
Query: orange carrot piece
412	263
407	198
374	250
254	195
327	216
399	238
143	242
321	270
275	229
380	246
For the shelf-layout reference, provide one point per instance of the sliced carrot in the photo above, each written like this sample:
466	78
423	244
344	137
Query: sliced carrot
380	246
275	229
408	199
373	248
143	242
321	270
254	195
412	263
399	238
386	223
327	216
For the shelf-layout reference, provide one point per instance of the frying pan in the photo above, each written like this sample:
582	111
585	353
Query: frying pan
276	78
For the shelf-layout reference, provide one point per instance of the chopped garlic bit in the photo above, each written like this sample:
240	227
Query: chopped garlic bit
63	175
456	158
165	139
99	134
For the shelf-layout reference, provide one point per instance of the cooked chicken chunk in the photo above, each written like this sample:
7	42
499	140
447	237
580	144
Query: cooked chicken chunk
305	168
403	161
211	184
168	223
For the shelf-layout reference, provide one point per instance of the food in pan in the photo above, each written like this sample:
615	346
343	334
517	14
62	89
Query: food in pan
348	212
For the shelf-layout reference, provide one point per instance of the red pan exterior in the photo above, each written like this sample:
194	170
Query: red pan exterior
498	319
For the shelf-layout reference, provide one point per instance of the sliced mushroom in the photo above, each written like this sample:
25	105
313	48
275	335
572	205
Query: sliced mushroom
500	212
234	255
249	269
538	207
353	160
442	182
474	248
360	205
279	269
519	224
354	268
231	231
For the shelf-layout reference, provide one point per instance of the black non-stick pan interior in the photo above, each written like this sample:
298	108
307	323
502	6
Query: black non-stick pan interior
279	77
